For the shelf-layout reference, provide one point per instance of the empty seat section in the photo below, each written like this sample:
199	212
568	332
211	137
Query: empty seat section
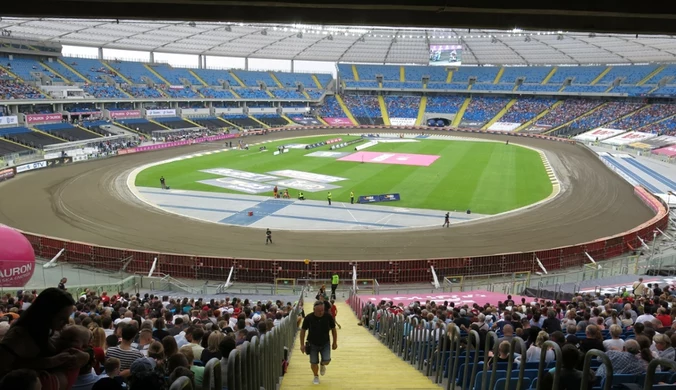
141	125
287	94
291	80
211	123
175	76
539	88
345	71
7	147
254	78
403	85
586	88
98	126
93	69
104	91
216	77
67	131
63	71
178	92
28	69
142	91
492	87
630	74
175	123
324	79
272	120
530	74
669	72
248	93
370	72
361	84
632	90
26	136
242	121
136	72
216	93
483	74
579	74
416	73
314	94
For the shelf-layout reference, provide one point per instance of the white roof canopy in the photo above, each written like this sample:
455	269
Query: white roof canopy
346	43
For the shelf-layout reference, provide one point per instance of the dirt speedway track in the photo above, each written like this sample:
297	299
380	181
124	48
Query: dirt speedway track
89	202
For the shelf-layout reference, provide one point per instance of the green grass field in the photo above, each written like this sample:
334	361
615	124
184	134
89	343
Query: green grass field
485	177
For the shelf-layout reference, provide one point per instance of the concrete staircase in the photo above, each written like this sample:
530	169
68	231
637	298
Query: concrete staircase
461	112
499	114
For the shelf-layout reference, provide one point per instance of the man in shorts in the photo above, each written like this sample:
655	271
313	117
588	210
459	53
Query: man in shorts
319	324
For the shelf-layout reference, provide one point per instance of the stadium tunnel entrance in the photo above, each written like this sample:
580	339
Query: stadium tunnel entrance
438	122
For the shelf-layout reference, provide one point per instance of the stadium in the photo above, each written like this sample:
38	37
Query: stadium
477	196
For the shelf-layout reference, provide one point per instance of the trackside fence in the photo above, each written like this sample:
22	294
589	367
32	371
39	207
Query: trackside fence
251	270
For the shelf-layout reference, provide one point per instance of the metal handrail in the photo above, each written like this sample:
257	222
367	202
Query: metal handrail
558	363
510	361
587	367
651	371
496	351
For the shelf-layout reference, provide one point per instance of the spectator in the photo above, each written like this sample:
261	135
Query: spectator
212	350
594	339
551	323
20	379
663	347
196	342
632	361
170	346
125	352
534	351
26	344
225	347
615	343
570	377
187	351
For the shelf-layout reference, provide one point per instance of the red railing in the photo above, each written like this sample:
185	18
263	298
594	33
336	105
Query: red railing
385	271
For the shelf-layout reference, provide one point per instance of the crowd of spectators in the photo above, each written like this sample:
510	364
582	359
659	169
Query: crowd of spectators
402	106
484	108
569	110
143	342
609	112
665	127
632	327
525	109
14	89
440	104
646	116
331	108
363	106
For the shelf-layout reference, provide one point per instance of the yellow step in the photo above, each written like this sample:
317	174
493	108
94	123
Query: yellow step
159	76
562	89
262	124
355	74
549	75
346	110
499	114
652	123
360	355
124	92
449	77
198	78
286	118
383	110
230	123
461	112
421	111
159	124
239	81
499	75
73	70
270	93
118	124
320	119
191	122
306	95
88	131
402	74
538	116
9	72
15	143
47	134
276	80
235	94
599	77
123	77
651	75
317	83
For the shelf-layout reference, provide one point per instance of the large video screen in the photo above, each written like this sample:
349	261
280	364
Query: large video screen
443	55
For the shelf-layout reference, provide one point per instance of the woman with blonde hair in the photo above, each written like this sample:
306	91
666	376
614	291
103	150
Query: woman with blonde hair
615	343
594	339
99	346
534	351
212	351
663	346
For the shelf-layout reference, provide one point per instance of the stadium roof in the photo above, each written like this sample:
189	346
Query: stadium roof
347	43
648	17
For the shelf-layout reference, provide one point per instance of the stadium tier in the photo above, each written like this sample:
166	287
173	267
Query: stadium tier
272	120
525	109
93	70
402	106
175	123
67	132
444	104
254	78
175	76
141	125
103	91
331	108
213	93
483	109
242	121
605	114
27	137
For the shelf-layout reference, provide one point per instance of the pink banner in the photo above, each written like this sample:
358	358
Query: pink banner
339	121
33	118
174	144
668	151
125	114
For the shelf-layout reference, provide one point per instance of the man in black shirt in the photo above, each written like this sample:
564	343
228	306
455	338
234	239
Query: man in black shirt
163	183
319	323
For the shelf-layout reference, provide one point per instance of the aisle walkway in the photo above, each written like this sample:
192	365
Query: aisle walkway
360	362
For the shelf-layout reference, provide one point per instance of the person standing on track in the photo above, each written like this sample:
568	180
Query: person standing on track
335	279
351	197
319	324
328	197
268	237
447	220
163	183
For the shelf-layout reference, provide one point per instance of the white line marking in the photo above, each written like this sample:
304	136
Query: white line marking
348	210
